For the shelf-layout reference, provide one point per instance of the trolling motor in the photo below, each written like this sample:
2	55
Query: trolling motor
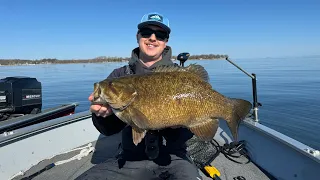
19	96
183	57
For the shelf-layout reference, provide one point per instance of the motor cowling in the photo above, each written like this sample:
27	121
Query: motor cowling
20	95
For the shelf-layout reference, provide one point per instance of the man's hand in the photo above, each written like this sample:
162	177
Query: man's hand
99	110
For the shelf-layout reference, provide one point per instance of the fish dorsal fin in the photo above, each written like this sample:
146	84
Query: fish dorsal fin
192	68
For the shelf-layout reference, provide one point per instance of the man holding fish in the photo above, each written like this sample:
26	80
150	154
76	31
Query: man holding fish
158	106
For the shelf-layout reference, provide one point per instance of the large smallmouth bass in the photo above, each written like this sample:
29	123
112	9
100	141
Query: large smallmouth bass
171	97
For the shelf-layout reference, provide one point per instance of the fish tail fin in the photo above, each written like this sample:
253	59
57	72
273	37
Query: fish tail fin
241	108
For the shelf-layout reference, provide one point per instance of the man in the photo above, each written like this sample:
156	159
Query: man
163	154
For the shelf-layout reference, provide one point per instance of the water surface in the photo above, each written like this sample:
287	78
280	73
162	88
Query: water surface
289	89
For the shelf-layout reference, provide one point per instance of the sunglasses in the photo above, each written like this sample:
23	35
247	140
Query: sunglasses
160	35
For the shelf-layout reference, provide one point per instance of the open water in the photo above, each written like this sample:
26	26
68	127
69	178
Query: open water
288	89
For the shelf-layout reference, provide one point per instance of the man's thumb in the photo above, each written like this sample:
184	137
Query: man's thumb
90	98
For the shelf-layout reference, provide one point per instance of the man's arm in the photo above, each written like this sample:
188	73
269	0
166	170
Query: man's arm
111	124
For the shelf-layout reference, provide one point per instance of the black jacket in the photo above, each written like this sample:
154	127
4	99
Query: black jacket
175	139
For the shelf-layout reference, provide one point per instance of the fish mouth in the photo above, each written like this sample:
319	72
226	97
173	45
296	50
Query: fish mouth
97	96
98	101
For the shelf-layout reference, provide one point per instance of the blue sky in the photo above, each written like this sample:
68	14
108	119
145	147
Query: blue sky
70	29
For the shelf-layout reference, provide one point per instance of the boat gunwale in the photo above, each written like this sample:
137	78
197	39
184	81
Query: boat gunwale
25	132
16	135
282	138
28	118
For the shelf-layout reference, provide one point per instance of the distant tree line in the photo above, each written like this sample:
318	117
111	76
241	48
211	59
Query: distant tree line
99	59
205	57
56	61
208	56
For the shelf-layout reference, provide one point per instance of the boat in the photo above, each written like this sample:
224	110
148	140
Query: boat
65	147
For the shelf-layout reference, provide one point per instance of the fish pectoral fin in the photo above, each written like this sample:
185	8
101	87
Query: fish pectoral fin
139	122
137	135
138	118
205	130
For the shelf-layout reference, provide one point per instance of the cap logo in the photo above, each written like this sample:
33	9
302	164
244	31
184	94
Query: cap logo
155	17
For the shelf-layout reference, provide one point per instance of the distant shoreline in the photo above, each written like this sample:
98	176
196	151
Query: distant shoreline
102	59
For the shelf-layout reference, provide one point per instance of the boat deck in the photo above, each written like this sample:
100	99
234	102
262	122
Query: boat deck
106	147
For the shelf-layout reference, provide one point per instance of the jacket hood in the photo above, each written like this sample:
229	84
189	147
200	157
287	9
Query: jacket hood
137	65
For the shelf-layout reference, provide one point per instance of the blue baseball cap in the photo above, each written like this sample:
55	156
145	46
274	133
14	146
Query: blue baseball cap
155	18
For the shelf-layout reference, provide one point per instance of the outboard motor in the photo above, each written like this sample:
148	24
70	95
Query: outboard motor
183	57
19	96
